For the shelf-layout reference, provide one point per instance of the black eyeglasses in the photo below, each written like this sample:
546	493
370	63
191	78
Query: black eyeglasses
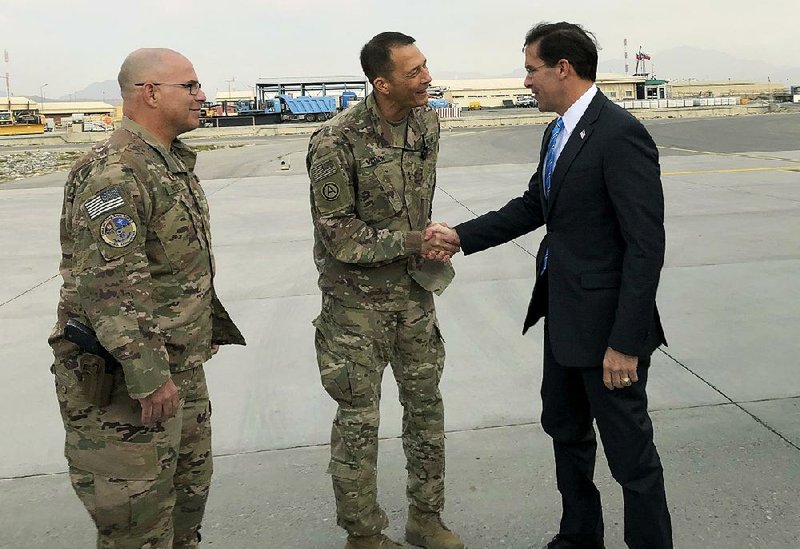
193	87
530	71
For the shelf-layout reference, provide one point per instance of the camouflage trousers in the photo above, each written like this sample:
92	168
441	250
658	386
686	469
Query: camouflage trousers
353	348
144	487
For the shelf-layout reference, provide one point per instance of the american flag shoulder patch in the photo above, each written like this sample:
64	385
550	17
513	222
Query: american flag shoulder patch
323	170
103	202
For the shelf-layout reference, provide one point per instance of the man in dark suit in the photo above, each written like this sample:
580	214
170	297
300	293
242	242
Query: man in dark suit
598	190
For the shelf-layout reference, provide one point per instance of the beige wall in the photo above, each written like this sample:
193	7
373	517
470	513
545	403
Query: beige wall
493	92
721	89
486	97
618	91
235	95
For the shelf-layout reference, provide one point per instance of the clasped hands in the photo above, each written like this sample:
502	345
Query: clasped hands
440	242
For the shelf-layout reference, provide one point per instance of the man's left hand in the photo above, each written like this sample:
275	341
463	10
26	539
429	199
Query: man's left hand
619	370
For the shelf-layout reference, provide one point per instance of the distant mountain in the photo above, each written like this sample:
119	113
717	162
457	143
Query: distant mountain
459	75
516	73
107	90
685	62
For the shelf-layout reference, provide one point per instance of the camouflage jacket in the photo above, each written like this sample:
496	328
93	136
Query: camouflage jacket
136	259
371	197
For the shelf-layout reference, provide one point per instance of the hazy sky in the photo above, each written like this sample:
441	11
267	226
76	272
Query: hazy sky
69	44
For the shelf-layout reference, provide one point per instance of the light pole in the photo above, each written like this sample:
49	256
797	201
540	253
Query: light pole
769	90
41	98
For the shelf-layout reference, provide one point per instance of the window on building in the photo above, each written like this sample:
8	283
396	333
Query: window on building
628	93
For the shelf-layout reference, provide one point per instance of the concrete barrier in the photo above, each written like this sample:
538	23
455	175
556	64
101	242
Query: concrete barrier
485	120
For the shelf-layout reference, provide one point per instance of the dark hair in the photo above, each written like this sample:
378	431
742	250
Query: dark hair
566	41
376	55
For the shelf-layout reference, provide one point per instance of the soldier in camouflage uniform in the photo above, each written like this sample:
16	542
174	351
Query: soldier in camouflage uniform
372	171
138	270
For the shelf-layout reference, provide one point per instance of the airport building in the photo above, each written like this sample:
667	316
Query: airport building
234	95
695	88
57	110
499	92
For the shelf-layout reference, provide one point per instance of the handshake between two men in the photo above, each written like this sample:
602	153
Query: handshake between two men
440	242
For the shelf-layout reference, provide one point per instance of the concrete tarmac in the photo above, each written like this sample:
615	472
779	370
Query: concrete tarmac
725	394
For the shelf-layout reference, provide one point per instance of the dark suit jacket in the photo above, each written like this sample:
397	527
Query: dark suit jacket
605	233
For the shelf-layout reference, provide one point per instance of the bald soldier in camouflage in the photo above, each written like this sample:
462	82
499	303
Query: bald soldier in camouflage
372	171
138	270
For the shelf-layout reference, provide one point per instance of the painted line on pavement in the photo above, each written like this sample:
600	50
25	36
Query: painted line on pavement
736	170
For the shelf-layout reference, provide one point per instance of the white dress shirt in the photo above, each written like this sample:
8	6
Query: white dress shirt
572	117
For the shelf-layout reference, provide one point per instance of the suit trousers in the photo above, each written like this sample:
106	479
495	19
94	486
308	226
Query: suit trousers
571	399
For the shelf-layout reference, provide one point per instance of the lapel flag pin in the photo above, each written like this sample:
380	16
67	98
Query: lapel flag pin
583	134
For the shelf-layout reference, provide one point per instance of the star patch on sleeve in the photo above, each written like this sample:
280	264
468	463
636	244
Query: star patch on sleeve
103	202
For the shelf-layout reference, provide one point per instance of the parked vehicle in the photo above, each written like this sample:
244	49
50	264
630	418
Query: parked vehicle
302	108
438	103
96	126
525	102
282	108
21	123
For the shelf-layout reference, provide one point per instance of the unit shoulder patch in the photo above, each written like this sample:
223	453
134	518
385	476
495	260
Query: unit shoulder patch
330	191
118	230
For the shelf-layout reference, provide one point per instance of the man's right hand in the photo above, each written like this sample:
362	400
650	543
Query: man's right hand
440	242
161	404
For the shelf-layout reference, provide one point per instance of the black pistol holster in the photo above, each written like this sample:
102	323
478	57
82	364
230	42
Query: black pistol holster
97	365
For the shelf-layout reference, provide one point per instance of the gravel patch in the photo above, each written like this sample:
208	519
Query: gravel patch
21	165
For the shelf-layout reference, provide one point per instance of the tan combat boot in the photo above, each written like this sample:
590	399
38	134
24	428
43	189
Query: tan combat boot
427	530
378	541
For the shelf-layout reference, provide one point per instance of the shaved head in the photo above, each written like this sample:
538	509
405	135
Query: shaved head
161	92
146	64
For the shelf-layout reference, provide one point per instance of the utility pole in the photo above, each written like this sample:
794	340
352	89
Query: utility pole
8	85
769	90
41	97
625	50
233	79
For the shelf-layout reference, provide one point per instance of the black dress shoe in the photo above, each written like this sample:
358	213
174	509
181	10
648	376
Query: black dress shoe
560	541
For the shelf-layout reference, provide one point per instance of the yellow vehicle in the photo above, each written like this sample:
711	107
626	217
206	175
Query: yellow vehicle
474	105
21	123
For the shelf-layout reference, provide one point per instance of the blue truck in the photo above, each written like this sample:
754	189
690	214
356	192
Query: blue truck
283	108
438	103
303	108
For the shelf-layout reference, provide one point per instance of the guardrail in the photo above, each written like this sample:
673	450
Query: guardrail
679	103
